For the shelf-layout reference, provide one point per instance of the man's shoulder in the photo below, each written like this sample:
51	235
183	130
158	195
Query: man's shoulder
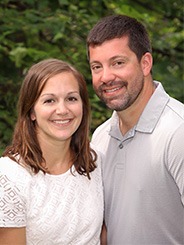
100	137
104	127
102	130
177	107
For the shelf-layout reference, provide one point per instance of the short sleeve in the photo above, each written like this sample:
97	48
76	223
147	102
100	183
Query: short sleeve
12	202
176	159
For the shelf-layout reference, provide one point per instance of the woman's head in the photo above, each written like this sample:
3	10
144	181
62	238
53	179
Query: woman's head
25	141
35	81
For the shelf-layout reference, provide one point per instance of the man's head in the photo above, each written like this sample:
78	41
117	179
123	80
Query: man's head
120	60
117	26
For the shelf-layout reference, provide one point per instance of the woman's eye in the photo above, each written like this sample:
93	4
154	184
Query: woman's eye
72	99
49	101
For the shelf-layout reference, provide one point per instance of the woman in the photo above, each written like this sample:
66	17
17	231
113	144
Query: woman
50	179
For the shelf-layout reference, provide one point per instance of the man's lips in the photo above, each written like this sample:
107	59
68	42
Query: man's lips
111	90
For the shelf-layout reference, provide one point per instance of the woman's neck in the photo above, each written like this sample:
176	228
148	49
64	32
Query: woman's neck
58	157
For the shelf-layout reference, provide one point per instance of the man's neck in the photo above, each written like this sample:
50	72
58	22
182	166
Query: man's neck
128	118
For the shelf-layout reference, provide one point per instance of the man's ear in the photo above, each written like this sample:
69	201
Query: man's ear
147	63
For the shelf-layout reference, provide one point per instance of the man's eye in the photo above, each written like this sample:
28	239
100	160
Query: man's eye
118	63
95	67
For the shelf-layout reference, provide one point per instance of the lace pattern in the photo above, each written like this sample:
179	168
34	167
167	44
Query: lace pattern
55	209
12	209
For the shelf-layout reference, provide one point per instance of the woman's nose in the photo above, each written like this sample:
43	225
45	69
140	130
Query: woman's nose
62	108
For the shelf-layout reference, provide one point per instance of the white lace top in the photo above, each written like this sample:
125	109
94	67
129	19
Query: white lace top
56	209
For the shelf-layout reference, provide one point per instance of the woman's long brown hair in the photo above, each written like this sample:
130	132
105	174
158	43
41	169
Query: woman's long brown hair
25	147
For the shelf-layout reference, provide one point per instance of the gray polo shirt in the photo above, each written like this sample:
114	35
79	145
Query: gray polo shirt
143	174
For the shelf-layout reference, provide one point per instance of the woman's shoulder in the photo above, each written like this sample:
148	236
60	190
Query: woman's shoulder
14	184
13	170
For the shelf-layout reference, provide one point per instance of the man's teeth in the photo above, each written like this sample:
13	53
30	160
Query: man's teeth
111	90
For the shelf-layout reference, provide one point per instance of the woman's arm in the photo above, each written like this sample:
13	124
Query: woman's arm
12	236
103	237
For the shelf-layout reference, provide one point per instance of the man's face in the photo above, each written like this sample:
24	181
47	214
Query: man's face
117	75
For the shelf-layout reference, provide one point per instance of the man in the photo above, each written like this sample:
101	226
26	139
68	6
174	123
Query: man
142	142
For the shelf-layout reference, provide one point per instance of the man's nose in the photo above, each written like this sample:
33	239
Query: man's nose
107	75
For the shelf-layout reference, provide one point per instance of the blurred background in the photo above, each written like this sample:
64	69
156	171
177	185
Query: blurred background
32	30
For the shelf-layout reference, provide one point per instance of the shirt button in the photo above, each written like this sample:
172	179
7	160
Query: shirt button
121	146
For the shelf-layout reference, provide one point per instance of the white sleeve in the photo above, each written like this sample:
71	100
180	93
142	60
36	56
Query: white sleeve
12	201
176	159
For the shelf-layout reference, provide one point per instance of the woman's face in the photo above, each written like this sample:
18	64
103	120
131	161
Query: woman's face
59	109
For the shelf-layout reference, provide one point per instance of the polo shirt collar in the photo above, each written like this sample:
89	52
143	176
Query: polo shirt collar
150	116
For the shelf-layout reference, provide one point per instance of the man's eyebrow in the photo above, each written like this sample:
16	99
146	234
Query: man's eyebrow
94	62
119	57
111	59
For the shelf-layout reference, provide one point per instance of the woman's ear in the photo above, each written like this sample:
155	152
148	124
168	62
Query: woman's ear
32	115
146	63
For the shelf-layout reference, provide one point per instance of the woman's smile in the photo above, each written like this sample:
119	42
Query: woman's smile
58	110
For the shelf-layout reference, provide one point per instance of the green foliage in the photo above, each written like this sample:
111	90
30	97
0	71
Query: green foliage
32	30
